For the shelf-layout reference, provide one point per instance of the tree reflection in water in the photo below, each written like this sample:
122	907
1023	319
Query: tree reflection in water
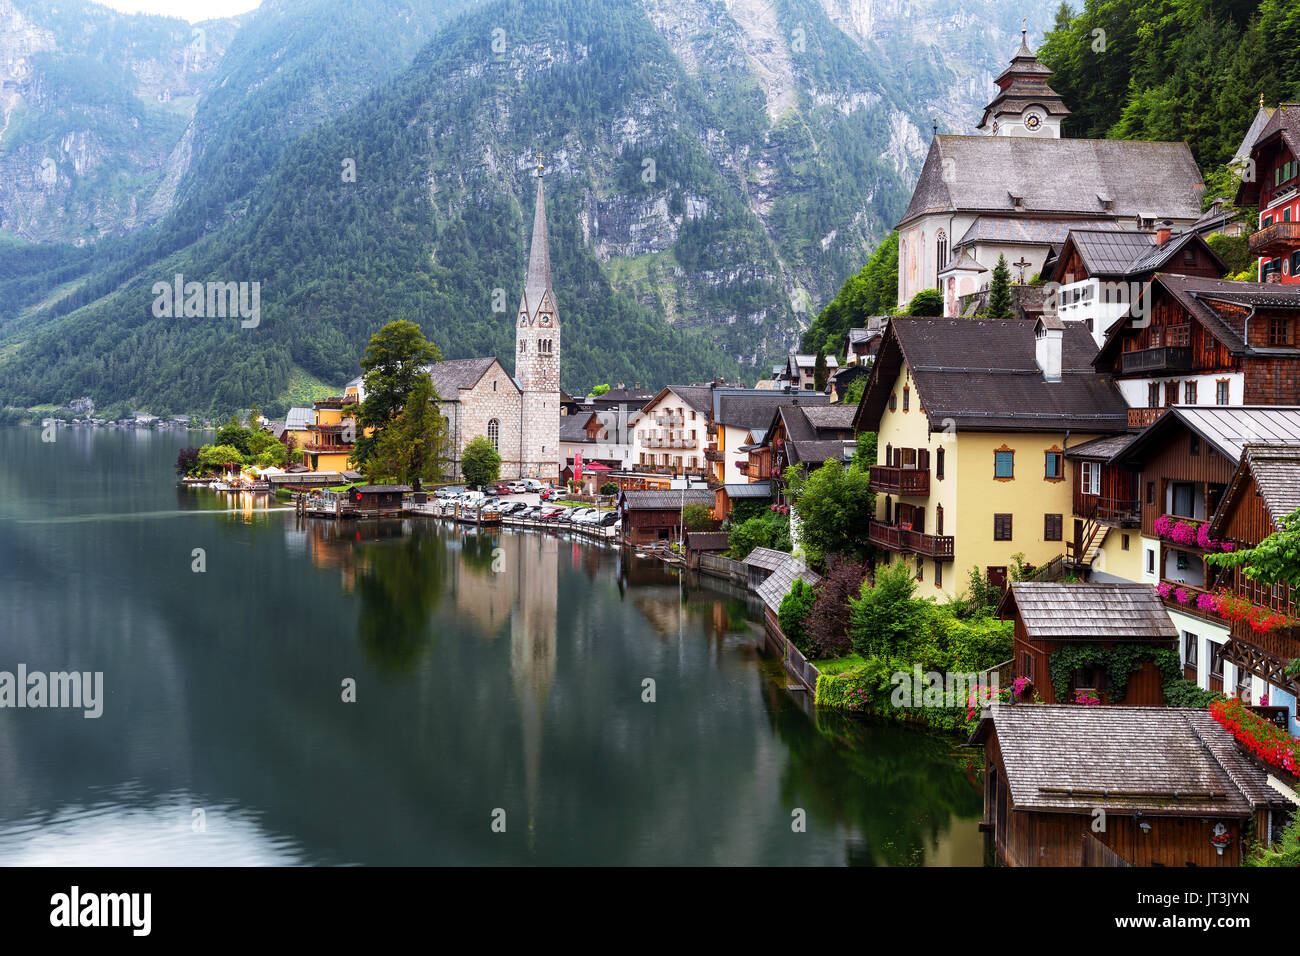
400	583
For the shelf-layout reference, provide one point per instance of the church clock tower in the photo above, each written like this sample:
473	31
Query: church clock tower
537	355
1024	105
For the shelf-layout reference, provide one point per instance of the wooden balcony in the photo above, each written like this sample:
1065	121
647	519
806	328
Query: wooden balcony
894	538
1190	607
1163	358
1142	417
712	454
1112	512
1275	240
892	480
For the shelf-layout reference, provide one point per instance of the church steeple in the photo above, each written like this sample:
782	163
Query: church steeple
1024	105
538	283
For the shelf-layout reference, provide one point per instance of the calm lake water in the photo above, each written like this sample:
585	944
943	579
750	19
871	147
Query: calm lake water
486	680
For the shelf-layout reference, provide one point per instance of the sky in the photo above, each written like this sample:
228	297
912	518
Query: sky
192	10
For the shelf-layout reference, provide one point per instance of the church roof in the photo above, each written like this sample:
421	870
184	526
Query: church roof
450	377
1028	177
537	286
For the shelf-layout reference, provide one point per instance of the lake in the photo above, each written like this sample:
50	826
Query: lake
499	713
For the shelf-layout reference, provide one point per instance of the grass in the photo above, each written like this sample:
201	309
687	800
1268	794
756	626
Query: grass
838	665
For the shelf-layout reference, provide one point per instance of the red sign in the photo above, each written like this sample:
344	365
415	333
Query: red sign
577	467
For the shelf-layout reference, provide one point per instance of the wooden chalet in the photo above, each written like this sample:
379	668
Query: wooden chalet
1173	786
1107	498
1052	617
1121	255
1264	489
652	516
803	435
378	500
1274	158
1197	341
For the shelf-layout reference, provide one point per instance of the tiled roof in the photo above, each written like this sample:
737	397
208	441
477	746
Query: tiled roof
573	428
831	416
1020	230
1106	447
1053	176
981	374
696	396
1065	611
754	409
753	489
818	452
707	540
381	489
1277	476
1159	760
782	578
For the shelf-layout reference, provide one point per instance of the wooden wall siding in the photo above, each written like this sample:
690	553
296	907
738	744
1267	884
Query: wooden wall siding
1055	839
1119	486
1208	354
1172	462
1145	688
1272	381
1071	268
1258	332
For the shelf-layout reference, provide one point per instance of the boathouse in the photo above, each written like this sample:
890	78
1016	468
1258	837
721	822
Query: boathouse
373	501
650	516
1066	785
1070	638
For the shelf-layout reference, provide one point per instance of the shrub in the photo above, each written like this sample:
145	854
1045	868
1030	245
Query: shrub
697	518
770	529
1181	692
926	302
828	627
887	618
609	488
793	613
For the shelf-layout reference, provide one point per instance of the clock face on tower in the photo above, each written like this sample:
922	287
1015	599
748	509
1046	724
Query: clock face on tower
544	321
1033	121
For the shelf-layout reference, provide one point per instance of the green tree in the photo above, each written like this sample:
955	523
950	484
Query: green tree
926	302
873	290
697	518
819	371
393	364
835	506
887	618
793	612
770	529
412	448
217	457
1000	291
1285	853
600	390
853	393
1275	560
234	435
480	462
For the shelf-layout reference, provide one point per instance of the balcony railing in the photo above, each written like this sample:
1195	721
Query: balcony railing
1112	512
670	421
895	538
1142	417
712	454
1162	358
1277	239
892	480
1189	607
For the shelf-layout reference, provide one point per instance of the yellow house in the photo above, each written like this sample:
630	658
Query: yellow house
974	419
331	434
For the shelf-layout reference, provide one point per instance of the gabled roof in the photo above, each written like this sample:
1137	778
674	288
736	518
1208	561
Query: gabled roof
753	409
982	375
1161	253
754	489
1060	611
1219	305
450	377
1159	760
1274	471
830	416
1054	176
573	428
767	558
671	499
1283	126
1226	428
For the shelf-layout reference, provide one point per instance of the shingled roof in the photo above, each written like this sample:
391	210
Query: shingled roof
782	578
753	410
450	377
1060	611
1274	473
672	499
1227	428
982	375
1159	760
1283	125
1053	176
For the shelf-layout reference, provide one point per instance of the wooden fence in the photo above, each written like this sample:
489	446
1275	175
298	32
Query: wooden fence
1092	852
722	567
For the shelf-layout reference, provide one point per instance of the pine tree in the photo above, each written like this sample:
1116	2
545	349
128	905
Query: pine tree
819	371
1000	291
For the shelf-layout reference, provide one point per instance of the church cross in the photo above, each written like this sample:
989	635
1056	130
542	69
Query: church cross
1022	265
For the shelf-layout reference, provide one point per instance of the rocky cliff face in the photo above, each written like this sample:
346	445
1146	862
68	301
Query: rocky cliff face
93	110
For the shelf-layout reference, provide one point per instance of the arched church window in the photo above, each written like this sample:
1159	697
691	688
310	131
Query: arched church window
494	433
941	249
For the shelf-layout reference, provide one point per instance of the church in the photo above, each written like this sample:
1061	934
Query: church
519	414
1016	188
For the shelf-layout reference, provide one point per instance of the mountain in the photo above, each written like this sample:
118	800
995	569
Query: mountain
717	170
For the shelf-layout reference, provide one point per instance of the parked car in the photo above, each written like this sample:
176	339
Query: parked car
502	490
609	519
549	514
550	494
531	484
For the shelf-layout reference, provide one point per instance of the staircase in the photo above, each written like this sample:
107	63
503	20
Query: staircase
1082	556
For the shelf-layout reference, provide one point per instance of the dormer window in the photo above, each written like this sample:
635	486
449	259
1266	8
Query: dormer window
1017	202
1106	202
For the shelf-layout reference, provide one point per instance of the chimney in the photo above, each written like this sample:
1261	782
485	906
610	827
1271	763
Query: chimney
1163	232
1049	331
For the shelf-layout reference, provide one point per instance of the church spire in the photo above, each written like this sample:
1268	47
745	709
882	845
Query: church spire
538	282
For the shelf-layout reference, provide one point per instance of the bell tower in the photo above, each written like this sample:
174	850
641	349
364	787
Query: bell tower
537	353
1024	105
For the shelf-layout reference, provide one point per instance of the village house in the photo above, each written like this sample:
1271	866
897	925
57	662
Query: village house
1018	188
331	434
1187	459
669	437
1054	620
1169	786
1190	340
800	371
650	517
738	418
1098	273
799	434
600	437
1263	491
1271	181
971	466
